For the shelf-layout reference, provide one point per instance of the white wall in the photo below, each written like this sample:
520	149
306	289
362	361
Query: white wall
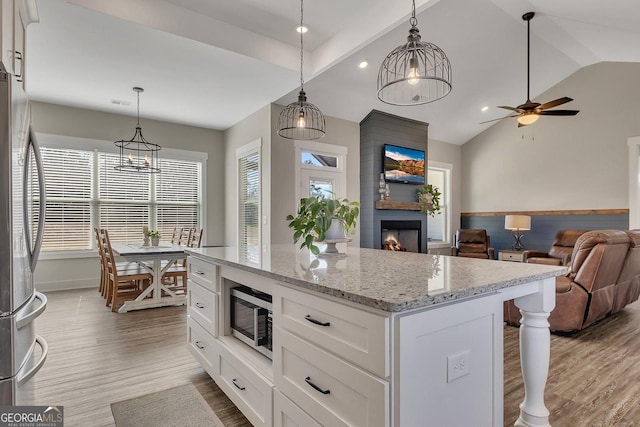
283	202
60	120
560	162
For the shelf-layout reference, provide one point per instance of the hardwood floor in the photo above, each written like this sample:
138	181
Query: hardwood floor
97	357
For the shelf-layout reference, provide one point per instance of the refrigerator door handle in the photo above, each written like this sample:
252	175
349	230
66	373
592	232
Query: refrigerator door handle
21	377
28	318
34	252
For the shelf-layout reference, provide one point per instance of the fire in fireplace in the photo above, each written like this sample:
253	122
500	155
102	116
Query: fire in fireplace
401	235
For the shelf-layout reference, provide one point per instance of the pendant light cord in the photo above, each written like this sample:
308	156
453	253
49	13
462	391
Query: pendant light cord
413	20
528	58
138	108
301	44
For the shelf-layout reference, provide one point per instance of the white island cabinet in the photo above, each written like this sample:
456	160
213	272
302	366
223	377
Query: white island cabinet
373	338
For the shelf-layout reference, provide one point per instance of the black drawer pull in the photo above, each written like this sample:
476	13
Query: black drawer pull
197	344
199	272
236	384
315	387
316	322
199	305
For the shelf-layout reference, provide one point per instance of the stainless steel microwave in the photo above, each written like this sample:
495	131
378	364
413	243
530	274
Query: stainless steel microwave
251	318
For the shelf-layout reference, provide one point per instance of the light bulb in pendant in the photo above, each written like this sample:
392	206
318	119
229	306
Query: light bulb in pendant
413	75
302	122
146	162
130	159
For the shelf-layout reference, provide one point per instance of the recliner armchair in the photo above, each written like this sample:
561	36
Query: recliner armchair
473	243
560	252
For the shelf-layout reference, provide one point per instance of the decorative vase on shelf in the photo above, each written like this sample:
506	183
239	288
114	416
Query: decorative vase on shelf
382	187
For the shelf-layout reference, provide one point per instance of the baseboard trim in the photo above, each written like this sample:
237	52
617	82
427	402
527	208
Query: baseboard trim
67	285
563	212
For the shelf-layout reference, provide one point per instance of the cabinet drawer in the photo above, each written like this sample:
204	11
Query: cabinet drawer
511	256
202	306
203	346
352	334
333	392
250	392
287	414
203	273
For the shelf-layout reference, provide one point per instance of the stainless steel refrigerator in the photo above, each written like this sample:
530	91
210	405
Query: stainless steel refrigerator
22	212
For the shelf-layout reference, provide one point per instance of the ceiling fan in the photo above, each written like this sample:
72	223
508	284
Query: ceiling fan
530	112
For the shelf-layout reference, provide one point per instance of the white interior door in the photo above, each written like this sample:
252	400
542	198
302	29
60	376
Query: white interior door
318	182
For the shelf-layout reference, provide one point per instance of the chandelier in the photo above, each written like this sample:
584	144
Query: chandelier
138	154
414	73
301	119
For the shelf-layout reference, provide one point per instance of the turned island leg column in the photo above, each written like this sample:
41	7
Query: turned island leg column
535	345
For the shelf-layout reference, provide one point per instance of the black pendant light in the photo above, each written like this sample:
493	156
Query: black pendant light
301	119
138	154
414	73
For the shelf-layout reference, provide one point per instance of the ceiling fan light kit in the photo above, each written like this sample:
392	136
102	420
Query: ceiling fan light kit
301	120
414	73
529	112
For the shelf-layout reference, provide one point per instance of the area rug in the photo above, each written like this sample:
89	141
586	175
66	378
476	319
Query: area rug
180	406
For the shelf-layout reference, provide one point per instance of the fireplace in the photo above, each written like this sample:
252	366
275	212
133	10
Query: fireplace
401	235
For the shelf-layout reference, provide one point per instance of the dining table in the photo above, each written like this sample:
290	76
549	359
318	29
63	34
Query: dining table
150	258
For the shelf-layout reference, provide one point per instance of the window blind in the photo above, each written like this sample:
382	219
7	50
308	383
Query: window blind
79	197
249	208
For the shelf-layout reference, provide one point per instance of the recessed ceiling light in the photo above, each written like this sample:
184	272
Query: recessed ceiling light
363	64
303	29
485	108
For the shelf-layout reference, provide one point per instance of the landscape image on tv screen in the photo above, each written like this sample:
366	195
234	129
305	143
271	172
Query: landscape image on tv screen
404	165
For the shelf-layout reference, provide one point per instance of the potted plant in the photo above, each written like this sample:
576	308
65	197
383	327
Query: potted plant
429	199
317	215
155	237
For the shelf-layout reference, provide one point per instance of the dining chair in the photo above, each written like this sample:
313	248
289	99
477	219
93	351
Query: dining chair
123	267
176	277
175	237
122	284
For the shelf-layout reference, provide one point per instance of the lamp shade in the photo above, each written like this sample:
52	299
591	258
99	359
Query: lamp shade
517	222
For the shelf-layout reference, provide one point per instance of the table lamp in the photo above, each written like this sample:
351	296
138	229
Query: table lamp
517	224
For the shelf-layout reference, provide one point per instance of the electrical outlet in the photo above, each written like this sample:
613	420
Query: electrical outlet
457	366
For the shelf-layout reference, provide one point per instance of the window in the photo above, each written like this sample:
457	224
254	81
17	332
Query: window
249	194
320	169
85	191
439	175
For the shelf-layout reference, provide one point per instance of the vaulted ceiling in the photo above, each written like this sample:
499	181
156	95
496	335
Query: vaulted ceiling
211	63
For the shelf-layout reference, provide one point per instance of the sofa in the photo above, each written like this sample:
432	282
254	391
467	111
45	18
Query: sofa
560	252
604	277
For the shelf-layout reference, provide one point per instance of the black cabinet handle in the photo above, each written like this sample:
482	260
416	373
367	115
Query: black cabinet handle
315	387
197	344
18	56
316	322
236	384
201	273
199	305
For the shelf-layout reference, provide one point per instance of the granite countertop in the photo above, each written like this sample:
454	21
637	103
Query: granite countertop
386	280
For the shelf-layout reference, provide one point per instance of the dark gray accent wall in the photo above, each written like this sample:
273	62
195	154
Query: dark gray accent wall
376	129
543	228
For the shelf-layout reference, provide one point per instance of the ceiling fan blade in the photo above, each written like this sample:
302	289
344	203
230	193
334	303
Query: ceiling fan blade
495	120
559	113
517	110
555	103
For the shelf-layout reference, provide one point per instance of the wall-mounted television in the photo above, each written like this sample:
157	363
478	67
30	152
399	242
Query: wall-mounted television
404	165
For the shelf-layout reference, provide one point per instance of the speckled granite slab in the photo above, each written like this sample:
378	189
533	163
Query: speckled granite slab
387	280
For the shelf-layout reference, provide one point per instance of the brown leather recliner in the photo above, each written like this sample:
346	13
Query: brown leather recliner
628	288
560	252
473	243
587	293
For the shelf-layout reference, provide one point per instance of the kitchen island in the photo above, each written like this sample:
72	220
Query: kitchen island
373	338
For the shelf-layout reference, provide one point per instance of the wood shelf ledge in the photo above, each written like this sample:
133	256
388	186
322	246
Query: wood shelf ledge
392	204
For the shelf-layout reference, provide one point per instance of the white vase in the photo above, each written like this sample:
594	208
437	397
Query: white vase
335	231
155	241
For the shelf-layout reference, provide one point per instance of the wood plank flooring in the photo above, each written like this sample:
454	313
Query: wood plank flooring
97	357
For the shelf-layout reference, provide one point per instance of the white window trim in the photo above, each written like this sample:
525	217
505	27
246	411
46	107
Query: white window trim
447	194
337	151
87	144
634	182
253	147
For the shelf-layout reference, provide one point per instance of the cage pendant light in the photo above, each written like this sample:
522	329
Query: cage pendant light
414	73
301	119
138	154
